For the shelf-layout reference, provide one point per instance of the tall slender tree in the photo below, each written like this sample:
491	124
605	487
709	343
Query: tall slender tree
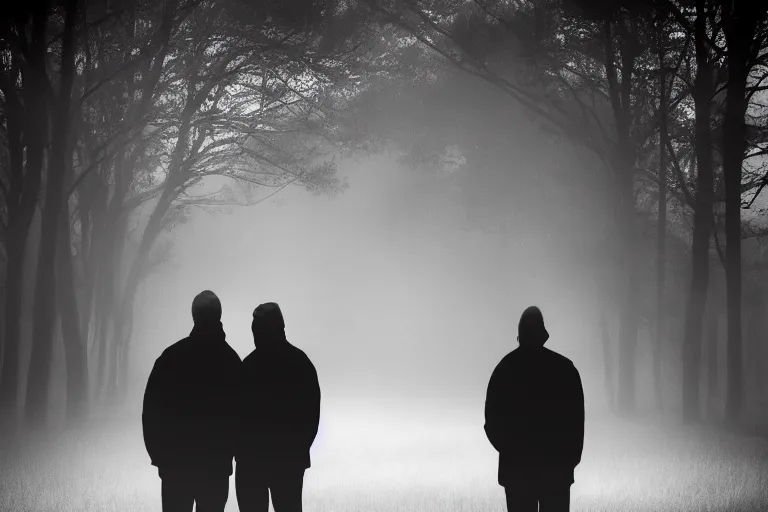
44	316
744	27
26	117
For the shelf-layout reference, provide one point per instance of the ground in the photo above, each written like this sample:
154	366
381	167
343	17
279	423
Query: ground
401	466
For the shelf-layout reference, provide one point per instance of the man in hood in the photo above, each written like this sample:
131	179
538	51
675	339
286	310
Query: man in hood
280	413
190	413
534	418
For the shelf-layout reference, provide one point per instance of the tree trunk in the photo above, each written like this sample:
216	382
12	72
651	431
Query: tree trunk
703	221
110	392
694	317
41	358
712	365
38	378
24	190
112	311
112	240
123	317
107	277
123	380
14	290
74	348
102	341
624	163
661	237
88	259
628	345
2	316
17	231
608	373
750	354
732	162
96	266
627	297
740	22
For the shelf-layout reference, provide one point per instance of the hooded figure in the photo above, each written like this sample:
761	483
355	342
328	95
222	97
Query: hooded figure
280	413
534	418
190	413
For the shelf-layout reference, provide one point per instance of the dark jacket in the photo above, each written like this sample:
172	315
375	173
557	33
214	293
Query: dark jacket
534	416
190	405
280	408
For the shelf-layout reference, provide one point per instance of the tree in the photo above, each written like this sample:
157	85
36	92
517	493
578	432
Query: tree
746	34
147	100
44	317
575	68
26	125
703	91
661	234
209	126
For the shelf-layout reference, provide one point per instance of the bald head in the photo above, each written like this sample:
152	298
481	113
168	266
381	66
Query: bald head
206	308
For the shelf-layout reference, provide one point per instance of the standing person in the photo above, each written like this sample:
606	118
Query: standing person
190	413
534	418
279	418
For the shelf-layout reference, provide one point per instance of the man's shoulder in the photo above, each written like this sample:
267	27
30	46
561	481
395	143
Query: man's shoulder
550	357
302	356
175	350
186	347
289	352
296	351
250	358
509	358
558	357
232	353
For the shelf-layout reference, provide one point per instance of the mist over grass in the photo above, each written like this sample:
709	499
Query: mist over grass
368	461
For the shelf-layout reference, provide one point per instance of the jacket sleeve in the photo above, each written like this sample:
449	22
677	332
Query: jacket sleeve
154	421
494	411
310	406
576	415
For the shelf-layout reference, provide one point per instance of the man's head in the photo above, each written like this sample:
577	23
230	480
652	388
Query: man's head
206	309
268	325
530	329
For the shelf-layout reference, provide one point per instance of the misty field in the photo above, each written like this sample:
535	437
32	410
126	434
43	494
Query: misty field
386	465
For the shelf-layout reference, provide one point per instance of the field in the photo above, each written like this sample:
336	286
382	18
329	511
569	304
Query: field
377	464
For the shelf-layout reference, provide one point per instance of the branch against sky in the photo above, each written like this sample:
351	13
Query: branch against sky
178	96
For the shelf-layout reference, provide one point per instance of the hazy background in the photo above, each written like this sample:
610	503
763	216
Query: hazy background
405	314
392	290
390	297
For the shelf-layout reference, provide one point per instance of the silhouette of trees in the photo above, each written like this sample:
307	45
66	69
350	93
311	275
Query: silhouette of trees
145	100
114	114
745	30
641	85
577	72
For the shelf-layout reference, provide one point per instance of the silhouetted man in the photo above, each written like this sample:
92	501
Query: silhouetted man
534	417
279	418
190	413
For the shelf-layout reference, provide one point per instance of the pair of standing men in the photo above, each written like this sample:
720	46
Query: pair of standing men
203	406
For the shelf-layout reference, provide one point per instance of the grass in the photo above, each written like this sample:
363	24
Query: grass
401	467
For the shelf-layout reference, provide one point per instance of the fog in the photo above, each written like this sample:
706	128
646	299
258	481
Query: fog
466	202
405	314
386	291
